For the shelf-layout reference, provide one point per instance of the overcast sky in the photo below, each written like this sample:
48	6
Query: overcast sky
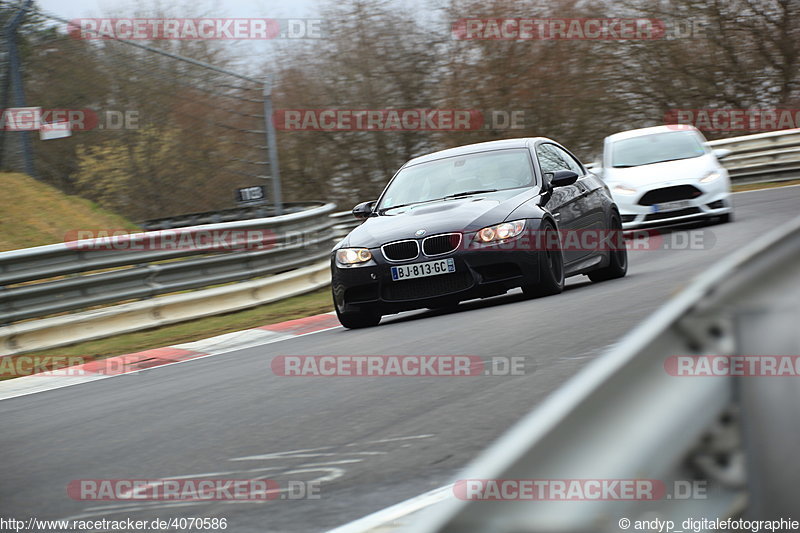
230	8
248	53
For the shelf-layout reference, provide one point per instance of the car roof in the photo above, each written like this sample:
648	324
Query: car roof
522	142
649	131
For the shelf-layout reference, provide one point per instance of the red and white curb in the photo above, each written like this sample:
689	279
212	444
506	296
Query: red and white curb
168	355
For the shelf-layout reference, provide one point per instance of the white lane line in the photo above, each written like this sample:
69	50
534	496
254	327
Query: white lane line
235	340
393	439
397	511
317	452
25	385
204	475
332	463
333	475
300	455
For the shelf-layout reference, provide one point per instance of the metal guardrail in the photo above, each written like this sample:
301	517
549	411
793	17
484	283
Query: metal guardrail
245	212
344	222
755	156
52	332
626	417
101	271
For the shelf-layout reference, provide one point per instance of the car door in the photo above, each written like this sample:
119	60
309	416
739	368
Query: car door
564	203
593	196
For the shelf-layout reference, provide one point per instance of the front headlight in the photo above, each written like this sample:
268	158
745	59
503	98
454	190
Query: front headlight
624	189
501	232
711	176
352	256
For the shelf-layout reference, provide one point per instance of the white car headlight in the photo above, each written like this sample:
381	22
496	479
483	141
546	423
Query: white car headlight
624	189
352	256
501	232
711	176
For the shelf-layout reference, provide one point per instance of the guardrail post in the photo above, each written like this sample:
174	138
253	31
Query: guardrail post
272	147
770	415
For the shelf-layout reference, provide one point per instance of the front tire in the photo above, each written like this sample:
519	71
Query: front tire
618	263
358	319
551	266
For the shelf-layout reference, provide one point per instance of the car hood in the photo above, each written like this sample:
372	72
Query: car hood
681	170
460	214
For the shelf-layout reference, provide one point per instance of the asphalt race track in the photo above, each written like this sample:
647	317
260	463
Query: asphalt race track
372	441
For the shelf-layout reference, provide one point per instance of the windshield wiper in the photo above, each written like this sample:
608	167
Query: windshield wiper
467	193
383	210
654	162
449	196
674	159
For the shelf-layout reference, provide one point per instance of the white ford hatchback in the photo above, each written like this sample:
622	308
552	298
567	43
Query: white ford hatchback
665	175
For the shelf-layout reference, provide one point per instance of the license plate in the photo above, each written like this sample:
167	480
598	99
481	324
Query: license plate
671	206
420	270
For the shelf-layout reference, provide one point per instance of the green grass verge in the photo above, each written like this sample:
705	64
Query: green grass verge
757	186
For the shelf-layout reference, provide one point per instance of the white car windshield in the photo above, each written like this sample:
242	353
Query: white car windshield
655	148
459	176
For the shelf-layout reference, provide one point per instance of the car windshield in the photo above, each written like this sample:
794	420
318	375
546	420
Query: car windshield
655	148
459	176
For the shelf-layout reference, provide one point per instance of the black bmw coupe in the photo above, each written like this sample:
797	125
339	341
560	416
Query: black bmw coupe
472	222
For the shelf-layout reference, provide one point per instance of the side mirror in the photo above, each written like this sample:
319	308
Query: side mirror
721	153
562	178
363	210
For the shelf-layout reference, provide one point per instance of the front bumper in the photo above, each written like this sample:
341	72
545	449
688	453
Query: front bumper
481	272
713	200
